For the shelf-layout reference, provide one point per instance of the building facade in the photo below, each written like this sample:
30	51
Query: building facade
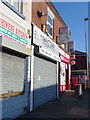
15	55
34	65
51	63
79	71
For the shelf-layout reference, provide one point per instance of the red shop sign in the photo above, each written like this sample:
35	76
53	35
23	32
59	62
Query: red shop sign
64	59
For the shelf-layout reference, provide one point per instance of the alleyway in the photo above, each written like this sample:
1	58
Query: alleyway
67	106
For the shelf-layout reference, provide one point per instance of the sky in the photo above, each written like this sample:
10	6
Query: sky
73	14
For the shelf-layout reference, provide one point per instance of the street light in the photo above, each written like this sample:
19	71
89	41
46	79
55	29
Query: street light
86	19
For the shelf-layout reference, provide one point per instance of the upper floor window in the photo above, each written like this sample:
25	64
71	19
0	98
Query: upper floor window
50	23
16	4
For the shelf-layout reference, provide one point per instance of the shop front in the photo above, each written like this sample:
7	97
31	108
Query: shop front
13	73
46	58
65	71
79	77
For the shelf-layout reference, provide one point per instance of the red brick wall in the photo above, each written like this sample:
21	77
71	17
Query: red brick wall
39	6
42	6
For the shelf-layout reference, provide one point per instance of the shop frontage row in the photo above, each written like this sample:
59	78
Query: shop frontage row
33	68
32	75
51	68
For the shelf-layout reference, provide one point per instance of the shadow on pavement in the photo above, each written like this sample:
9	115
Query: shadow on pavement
67	106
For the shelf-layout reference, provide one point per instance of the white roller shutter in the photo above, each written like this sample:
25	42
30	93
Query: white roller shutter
1	72
45	85
13	69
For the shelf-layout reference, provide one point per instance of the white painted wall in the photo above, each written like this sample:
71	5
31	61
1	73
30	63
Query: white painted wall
14	106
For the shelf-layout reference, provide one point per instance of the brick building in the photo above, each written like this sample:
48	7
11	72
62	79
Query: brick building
40	18
33	69
79	70
39	7
51	63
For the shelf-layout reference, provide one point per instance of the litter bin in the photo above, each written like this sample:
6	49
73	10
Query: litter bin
78	89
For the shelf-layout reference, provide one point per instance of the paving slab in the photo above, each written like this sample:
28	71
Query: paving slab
67	106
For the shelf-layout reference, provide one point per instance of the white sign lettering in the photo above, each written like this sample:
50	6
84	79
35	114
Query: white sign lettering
48	47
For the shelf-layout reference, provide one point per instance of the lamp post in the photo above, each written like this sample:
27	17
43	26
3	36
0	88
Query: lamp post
86	45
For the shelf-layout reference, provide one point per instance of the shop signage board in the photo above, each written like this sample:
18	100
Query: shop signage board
64	59
64	56
63	35
63	38
71	46
72	53
72	57
64	30
73	62
13	33
47	46
47	53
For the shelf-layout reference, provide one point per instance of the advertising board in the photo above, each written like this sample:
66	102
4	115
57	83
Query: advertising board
73	62
64	56
13	33
64	30
72	57
71	46
63	39
46	45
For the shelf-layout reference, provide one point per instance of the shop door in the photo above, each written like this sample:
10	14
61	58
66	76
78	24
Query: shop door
67	79
62	77
44	81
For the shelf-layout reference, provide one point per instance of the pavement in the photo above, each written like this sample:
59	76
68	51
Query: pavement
68	105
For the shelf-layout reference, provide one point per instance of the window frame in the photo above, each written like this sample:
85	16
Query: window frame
48	23
8	4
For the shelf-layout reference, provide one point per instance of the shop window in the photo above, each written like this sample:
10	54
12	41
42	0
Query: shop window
50	23
15	5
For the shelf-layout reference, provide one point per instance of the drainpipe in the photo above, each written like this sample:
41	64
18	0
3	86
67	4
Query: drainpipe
32	78
28	69
57	80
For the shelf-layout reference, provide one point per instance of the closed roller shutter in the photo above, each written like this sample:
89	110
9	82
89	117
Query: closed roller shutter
1	71
44	81
13	69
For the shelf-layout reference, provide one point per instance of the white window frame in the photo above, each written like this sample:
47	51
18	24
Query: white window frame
51	15
12	3
9	4
48	23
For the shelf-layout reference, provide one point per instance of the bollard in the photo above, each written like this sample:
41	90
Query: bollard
78	89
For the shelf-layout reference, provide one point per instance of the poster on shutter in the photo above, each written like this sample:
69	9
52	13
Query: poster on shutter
62	74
